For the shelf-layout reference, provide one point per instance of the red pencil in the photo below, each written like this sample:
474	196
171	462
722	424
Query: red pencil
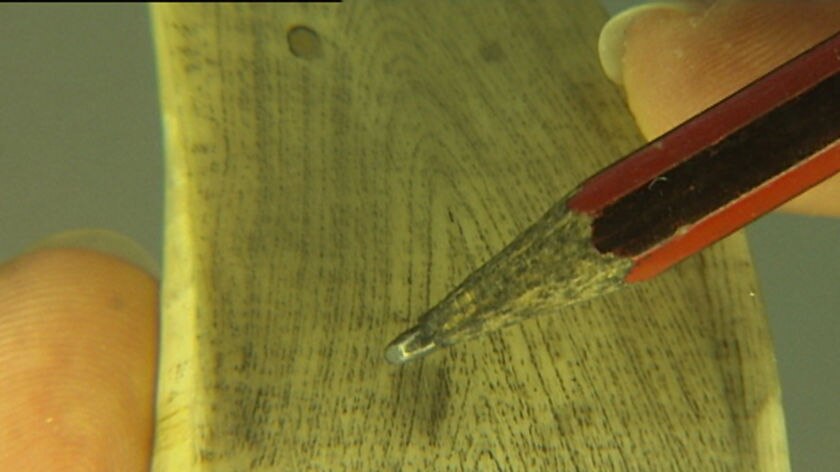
714	174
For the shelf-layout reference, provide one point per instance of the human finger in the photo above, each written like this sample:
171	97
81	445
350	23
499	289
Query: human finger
676	59
78	336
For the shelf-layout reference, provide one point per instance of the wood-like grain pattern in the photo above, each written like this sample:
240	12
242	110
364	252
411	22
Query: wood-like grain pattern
334	169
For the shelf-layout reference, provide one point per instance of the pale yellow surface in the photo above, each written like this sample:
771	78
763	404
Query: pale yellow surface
318	201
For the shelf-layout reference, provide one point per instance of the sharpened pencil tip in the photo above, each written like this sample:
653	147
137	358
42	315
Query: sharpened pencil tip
410	345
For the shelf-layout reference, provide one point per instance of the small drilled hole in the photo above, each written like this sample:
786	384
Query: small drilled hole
304	42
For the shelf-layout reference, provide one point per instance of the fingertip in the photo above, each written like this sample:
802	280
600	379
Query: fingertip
102	241
673	63
78	337
611	41
678	63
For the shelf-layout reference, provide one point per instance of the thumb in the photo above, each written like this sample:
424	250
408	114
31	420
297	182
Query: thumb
77	351
676	59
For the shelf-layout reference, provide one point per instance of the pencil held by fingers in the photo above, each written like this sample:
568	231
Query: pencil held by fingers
696	184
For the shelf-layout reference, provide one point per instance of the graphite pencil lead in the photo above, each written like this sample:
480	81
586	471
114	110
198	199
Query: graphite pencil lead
549	266
410	345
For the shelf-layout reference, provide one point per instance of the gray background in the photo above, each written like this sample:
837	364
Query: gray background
80	146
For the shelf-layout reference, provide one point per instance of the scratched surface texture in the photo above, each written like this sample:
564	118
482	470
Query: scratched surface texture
335	169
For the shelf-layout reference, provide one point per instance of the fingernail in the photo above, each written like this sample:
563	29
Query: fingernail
105	242
611	40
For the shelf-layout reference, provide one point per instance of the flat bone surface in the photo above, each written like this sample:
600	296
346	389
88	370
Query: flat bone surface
334	169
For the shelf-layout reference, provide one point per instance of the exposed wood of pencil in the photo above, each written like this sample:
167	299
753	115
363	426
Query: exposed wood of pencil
333	170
